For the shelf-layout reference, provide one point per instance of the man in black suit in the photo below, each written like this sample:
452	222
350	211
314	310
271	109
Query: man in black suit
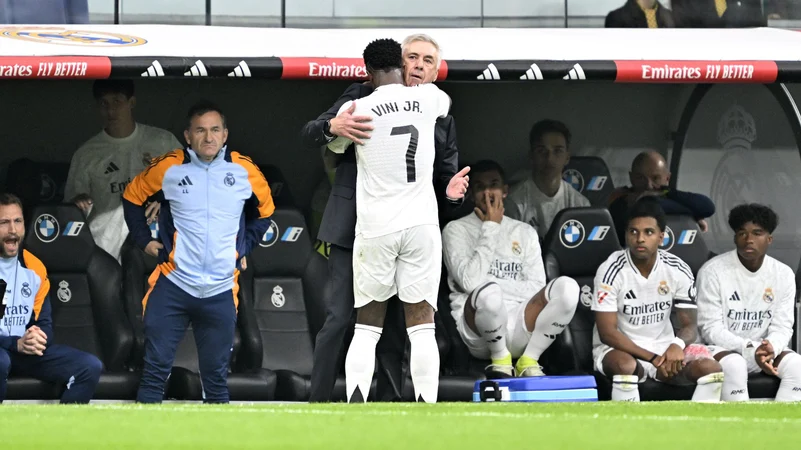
640	14
421	65
718	13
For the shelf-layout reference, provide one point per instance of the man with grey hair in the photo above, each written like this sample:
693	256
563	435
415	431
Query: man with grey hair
421	56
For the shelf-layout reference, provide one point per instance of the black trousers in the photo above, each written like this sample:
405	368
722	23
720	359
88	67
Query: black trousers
330	348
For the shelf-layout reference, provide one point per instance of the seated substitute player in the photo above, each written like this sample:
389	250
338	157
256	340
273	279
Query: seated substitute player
26	334
502	307
398	247
636	290
745	308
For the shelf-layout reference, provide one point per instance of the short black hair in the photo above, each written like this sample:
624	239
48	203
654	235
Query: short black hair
203	107
541	128
383	54
7	198
648	207
103	87
488	165
755	213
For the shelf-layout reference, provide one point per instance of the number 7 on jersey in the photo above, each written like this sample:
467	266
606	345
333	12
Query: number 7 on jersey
411	150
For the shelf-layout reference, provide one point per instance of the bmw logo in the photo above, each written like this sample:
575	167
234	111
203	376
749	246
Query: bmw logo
271	236
668	240
47	228
571	233
575	179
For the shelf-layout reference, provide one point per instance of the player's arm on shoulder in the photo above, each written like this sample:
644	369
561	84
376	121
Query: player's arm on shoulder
780	330
340	143
42	312
312	133
140	189
259	207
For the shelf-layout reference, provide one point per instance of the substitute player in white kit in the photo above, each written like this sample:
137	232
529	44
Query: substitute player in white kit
499	299
745	308
398	248
636	290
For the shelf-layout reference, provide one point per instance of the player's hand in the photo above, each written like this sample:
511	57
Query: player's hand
244	263
458	185
38	334
352	127
674	360
764	358
153	248
152	212
494	208
703	226
83	202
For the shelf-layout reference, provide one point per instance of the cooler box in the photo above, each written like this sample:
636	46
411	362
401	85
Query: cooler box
537	389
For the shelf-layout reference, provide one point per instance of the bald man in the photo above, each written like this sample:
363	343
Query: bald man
650	175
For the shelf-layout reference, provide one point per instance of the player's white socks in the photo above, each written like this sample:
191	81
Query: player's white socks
491	318
625	388
708	388
735	381
424	362
562	295
360	361
790	374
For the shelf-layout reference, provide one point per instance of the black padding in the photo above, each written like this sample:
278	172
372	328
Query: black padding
591	177
282	194
60	233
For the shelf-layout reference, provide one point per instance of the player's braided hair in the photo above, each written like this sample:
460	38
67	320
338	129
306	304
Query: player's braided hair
755	213
383	54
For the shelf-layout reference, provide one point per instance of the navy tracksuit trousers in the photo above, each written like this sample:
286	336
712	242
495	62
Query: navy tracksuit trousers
168	312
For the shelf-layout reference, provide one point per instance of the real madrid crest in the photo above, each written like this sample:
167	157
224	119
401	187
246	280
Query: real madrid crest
229	179
768	295
278	298
663	288
64	294
586	295
26	290
516	249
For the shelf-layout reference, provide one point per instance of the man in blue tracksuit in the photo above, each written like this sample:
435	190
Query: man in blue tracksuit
216	205
26	328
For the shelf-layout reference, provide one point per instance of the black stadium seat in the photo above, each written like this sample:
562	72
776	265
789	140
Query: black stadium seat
246	380
85	297
684	239
282	195
285	285
37	183
591	177
578	242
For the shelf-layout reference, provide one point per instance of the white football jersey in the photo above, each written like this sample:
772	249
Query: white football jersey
394	188
103	166
736	306
643	305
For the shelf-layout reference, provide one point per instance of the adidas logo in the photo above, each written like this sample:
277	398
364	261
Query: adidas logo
242	70
185	181
735	297
111	168
155	70
197	70
576	73
490	73
533	73
630	295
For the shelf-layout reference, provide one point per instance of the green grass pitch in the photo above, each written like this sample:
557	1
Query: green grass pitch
490	426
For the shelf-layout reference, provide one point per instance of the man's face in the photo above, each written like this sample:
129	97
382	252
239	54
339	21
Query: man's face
12	230
649	176
643	237
549	156
115	108
487	184
206	135
752	241
420	63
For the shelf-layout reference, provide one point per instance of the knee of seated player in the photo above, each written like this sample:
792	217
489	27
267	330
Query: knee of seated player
94	367
5	364
789	365
619	363
703	367
418	313
734	367
488	297
564	291
372	314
